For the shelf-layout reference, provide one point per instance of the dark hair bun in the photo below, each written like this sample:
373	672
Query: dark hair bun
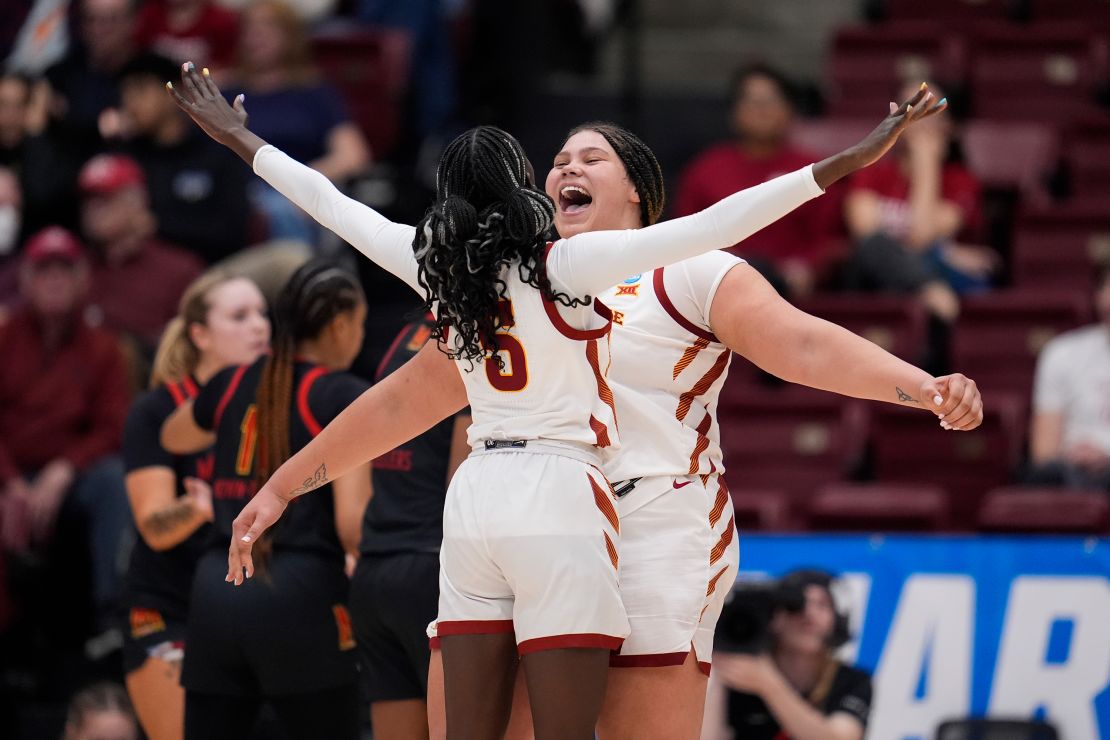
460	220
528	214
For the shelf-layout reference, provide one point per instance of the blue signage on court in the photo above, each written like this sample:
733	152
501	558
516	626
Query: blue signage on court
958	626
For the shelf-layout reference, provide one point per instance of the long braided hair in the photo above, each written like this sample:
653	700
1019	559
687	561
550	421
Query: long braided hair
316	293
639	162
488	215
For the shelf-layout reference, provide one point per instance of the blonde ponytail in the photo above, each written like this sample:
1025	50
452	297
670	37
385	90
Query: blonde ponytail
177	356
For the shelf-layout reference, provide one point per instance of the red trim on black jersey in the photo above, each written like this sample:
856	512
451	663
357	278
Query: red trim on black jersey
190	385
177	393
225	399
669	307
391	351
303	406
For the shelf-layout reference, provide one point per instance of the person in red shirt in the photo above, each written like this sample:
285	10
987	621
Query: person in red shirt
796	248
136	278
189	29
906	216
63	400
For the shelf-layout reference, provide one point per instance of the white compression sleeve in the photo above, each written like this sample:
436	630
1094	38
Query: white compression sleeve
587	264
384	242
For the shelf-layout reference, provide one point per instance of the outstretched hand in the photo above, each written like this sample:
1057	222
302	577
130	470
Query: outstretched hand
201	99
260	513
956	401
879	142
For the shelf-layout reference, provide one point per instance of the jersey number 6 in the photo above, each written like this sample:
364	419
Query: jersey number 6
514	376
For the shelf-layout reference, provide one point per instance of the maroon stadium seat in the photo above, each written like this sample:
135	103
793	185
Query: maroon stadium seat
879	507
763	509
998	336
371	68
793	439
1088	157
990	148
948	10
910	446
869	64
1059	247
1041	72
1083	10
894	323
1045	510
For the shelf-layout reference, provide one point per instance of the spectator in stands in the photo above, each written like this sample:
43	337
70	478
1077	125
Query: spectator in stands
798	689
198	190
136	278
101	712
189	29
1070	438
794	250
11	217
46	174
906	217
63	400
293	110
311	12
84	82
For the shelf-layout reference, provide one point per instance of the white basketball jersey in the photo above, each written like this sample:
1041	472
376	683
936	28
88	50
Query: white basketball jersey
553	383
668	369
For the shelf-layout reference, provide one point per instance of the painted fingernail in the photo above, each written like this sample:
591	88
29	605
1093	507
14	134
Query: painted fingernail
938	400
205	71
169	85
246	538
924	85
192	66
943	101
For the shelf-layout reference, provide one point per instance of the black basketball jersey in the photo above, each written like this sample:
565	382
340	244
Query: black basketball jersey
226	405
166	574
406	512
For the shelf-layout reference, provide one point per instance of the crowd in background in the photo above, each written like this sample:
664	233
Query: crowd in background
112	202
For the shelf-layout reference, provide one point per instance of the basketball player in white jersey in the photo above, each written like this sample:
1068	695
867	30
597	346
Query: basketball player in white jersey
493	525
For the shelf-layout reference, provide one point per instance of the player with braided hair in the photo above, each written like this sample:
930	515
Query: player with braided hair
499	575
299	654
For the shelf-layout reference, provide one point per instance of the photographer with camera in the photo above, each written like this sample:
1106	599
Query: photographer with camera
775	674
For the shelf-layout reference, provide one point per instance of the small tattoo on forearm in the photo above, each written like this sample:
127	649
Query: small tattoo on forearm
170	518
319	478
905	397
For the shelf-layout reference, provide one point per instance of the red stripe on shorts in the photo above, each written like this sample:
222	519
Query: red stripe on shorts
582	640
656	660
474	627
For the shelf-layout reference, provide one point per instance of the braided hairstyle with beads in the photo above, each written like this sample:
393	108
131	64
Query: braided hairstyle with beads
639	162
488	216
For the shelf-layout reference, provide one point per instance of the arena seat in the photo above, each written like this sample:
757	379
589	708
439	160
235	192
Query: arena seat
894	323
1087	153
765	510
990	146
998	336
1081	10
879	507
996	729
791	438
1046	510
1058	247
948	10
869	63
910	446
370	67
1040	72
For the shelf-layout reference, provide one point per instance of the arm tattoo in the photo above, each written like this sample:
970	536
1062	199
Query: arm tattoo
905	397
319	478
166	520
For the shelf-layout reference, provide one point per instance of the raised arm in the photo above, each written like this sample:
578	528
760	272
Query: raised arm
384	242
426	390
591	262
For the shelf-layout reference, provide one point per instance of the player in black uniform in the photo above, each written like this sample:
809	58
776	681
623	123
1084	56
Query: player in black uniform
395	589
221	321
285	638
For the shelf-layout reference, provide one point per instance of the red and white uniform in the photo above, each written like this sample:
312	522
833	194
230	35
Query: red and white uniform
679	552
531	541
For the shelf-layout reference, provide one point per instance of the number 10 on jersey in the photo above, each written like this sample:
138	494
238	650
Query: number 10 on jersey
513	376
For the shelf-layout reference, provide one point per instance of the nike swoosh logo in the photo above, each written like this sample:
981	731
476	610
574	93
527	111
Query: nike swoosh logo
676	484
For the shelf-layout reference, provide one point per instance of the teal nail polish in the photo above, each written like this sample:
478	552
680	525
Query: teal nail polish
192	66
943	101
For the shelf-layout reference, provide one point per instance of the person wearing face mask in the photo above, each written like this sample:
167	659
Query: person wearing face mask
136	278
222	321
798	690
